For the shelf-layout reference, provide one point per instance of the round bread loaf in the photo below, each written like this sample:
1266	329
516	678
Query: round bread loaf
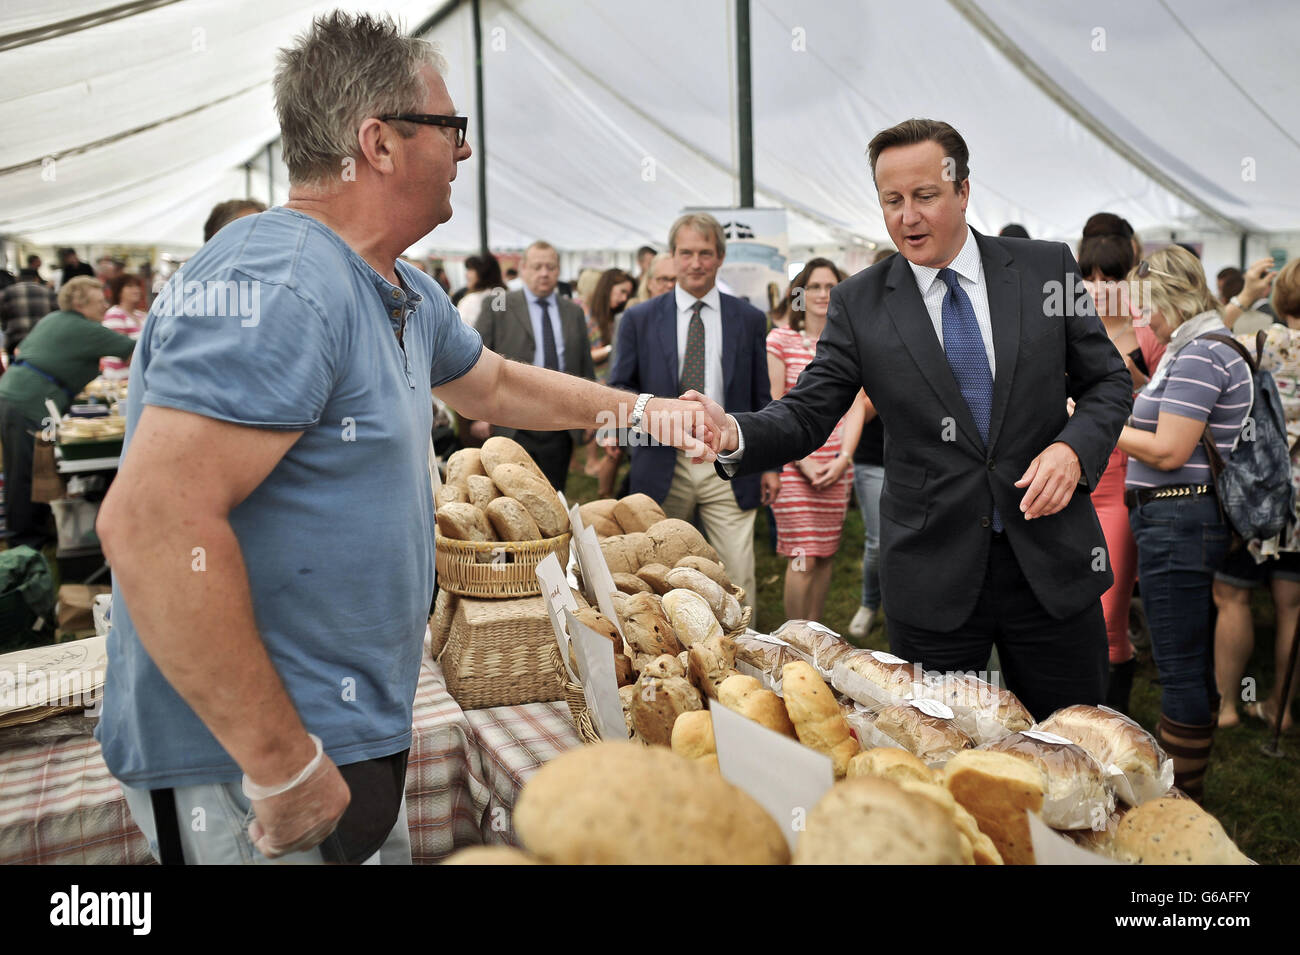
621	554
462	464
449	494
535	494
631	584
499	450
869	821
656	575
482	491
711	569
603	527
672	539
463	522
616	803
511	520
599	515
638	512
1173	832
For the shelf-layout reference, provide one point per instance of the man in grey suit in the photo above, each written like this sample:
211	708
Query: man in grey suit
537	327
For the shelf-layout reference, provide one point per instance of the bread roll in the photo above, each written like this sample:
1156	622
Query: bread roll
998	789
1077	794
691	616
888	763
499	450
490	855
604	528
461	465
866	821
662	666
1116	741
463	522
711	569
816	716
725	607
658	703
615	803
656	575
623	672
535	494
599	510
746	696
964	690
638	512
930	738
511	520
709	662
625	696
648	631
693	735
448	494
1173	832
643	603
621	554
673	539
482	491
977	848
631	584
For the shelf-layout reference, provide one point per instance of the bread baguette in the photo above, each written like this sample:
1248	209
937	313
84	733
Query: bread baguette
816	715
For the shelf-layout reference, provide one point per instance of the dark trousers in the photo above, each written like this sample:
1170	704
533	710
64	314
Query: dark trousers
1181	543
1047	663
552	450
26	522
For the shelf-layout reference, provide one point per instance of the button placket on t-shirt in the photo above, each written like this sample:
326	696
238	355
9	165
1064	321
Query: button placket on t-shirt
400	312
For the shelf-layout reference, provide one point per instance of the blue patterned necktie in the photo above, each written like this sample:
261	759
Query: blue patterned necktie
692	377
964	346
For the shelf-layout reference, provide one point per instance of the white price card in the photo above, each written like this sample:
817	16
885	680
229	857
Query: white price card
599	684
1052	848
782	775
596	575
558	598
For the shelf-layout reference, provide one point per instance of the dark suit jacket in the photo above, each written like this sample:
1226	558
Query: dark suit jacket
645	360
509	333
940	481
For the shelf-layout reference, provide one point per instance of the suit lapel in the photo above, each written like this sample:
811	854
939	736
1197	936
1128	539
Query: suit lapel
1003	285
524	320
666	331
731	337
912	322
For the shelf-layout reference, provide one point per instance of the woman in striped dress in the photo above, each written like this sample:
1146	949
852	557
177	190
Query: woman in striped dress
814	494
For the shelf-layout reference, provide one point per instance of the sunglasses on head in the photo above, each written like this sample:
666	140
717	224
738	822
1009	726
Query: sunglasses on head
1145	269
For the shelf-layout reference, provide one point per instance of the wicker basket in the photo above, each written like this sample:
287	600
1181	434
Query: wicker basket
573	695
499	654
444	608
746	613
495	569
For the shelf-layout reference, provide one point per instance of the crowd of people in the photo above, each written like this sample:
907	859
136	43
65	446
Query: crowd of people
1017	478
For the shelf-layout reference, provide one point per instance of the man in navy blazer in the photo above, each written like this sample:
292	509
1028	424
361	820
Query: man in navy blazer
696	338
968	346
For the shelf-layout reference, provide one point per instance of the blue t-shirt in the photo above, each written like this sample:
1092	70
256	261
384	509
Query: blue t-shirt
276	323
1208	382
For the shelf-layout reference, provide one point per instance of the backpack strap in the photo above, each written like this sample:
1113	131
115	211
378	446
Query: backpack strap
1253	370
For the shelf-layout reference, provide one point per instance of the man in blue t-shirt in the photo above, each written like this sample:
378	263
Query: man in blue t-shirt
271	530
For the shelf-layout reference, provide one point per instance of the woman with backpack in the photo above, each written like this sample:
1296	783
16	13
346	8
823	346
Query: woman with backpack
1173	508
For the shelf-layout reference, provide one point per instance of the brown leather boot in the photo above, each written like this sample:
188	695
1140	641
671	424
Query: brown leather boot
1189	747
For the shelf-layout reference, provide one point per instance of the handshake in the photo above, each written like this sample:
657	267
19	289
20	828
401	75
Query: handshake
694	423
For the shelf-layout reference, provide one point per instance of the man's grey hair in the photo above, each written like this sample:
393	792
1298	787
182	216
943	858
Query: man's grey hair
342	71
704	224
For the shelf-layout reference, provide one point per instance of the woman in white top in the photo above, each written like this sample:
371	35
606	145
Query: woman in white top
483	279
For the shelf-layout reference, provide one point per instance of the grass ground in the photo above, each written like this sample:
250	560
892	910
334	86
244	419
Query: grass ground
1248	791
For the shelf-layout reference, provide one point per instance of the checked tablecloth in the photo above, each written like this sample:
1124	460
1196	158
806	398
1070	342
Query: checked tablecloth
58	803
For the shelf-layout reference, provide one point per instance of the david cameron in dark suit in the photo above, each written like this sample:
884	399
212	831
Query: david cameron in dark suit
969	346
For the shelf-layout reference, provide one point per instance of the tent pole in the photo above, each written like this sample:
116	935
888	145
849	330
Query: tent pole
480	124
270	179
248	179
1241	253
744	105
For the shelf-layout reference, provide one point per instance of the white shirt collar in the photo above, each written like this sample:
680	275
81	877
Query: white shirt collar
533	299
966	264
712	299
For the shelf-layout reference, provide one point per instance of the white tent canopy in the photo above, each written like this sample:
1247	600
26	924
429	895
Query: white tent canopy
607	117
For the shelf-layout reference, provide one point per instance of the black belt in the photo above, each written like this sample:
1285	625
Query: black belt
1135	497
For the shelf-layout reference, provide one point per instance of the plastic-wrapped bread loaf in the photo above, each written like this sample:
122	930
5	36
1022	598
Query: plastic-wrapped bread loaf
964	691
931	738
893	675
1078	794
1137	765
818	644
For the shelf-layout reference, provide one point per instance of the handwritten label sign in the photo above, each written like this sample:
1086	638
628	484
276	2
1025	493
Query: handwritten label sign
558	598
599	684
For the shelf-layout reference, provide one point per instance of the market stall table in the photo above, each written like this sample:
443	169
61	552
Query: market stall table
58	803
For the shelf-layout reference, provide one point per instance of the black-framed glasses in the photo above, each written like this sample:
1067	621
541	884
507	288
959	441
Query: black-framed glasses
458	123
1145	269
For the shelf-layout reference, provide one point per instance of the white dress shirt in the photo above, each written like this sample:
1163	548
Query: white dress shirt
711	315
535	317
970	276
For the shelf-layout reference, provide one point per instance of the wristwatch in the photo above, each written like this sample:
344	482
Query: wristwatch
638	413
1238	302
